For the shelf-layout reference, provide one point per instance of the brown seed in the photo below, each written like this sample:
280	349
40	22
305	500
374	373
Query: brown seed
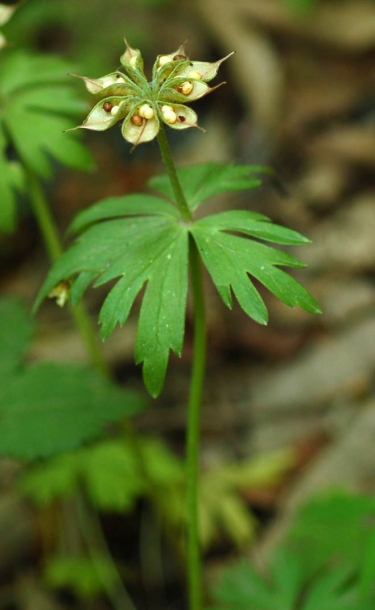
107	106
181	118
179	56
136	120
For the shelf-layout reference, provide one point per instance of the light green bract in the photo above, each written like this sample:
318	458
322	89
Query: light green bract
127	96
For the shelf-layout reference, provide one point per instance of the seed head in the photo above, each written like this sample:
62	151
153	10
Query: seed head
140	105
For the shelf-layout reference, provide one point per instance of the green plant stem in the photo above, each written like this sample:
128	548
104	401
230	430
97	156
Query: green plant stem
52	241
195	394
193	433
180	200
96	543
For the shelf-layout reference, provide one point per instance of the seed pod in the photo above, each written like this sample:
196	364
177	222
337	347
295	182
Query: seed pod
107	106
133	61
136	120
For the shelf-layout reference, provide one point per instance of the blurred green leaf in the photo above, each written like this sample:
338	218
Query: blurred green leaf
110	471
16	330
367	569
81	574
286	586
240	587
37	103
52	407
335	525
46	407
78	28
301	6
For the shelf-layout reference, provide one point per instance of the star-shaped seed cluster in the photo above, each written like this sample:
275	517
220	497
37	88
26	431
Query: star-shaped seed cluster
141	106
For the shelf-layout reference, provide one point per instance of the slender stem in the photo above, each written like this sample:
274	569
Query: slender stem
180	200
98	550
52	241
193	433
195	394
42	213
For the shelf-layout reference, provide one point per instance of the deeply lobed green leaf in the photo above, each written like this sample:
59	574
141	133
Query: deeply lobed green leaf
140	241
231	258
128	205
143	249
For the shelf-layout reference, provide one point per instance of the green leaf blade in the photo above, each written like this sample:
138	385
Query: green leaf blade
204	180
151	250
256	225
16	330
231	258
222	265
53	407
162	316
128	205
38	104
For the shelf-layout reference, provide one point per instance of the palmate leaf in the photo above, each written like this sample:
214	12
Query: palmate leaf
285	586
231	258
241	587
204	180
348	518
37	103
140	240
136	250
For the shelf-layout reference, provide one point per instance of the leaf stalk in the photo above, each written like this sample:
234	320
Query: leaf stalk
180	200
193	432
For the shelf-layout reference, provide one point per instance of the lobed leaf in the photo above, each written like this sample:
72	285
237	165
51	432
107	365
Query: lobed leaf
240	587
231	258
254	224
128	205
82	574
204	180
346	516
38	104
135	250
